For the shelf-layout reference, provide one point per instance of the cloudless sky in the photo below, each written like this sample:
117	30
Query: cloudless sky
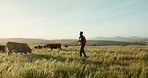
63	19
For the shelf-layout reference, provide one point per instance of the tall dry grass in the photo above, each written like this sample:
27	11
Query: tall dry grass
102	62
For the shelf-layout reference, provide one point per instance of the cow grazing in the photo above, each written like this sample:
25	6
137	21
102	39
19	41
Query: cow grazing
2	48
53	46
35	47
38	47
66	45
17	47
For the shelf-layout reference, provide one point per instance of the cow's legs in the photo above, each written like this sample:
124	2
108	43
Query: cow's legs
9	52
25	52
3	50
51	49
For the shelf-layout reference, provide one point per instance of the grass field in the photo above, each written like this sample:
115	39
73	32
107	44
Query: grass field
102	62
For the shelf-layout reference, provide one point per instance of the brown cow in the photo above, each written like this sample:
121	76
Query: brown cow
17	47
2	48
53	46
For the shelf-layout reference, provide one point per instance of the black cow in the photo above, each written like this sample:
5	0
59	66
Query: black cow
53	46
38	47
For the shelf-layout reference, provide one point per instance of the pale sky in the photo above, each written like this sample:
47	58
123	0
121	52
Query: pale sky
63	19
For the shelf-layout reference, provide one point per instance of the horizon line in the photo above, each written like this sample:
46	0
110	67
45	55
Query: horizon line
66	38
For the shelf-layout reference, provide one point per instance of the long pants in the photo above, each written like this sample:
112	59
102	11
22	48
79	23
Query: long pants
82	51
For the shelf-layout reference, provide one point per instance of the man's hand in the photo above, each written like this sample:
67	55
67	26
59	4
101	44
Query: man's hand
79	43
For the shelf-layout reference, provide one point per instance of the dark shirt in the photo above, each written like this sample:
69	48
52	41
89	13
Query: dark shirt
82	40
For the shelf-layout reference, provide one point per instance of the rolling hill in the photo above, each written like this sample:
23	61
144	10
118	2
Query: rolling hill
95	42
127	39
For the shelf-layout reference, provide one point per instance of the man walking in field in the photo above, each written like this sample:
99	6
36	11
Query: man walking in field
82	41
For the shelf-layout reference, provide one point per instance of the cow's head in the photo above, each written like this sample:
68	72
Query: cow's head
30	50
45	46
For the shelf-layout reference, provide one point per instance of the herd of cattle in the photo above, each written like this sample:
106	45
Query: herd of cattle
24	48
51	46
